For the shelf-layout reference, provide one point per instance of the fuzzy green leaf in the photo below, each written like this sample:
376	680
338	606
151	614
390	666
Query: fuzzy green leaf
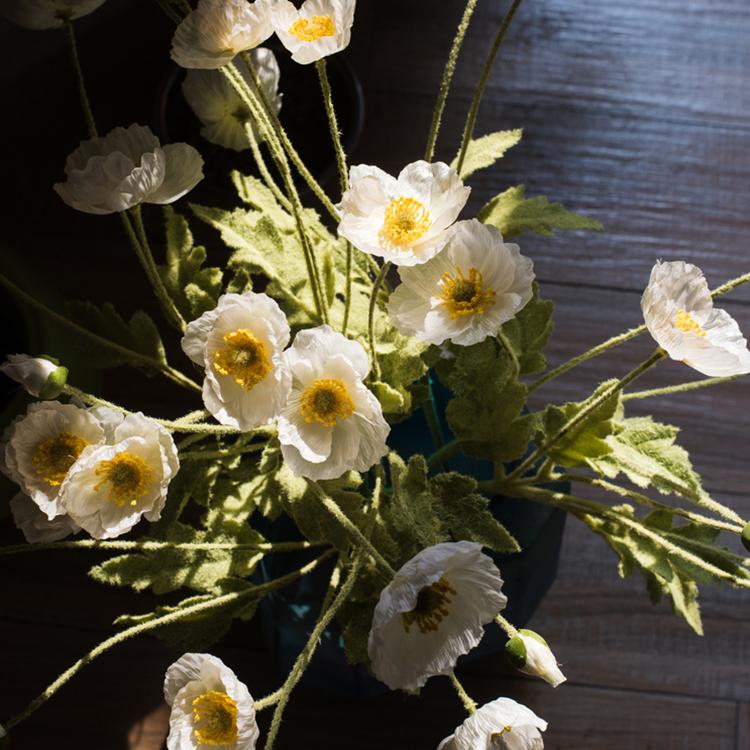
512	213
529	332
355	619
485	151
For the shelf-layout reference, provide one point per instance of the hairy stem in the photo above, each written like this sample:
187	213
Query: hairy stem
379	279
467	701
82	94
680	388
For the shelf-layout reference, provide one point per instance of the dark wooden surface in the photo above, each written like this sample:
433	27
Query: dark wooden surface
636	113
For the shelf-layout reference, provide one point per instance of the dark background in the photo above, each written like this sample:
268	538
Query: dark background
635	113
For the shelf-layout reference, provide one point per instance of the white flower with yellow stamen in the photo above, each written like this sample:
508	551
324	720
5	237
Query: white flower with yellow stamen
465	293
111	486
331	423
404	219
240	343
218	106
34	524
125	168
680	314
41	447
318	29
210	706
502	724
432	612
46	14
213	34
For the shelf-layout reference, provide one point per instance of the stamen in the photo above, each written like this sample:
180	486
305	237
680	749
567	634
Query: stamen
53	458
128	475
312	29
214	719
245	359
326	400
686	323
405	221
465	295
431	607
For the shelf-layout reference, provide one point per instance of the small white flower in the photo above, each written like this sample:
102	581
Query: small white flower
46	14
432	612
331	423
41	447
111	486
240	343
680	314
465	293
41	377
210	706
502	724
125	168
404	219
318	29
35	525
217	30
218	106
529	652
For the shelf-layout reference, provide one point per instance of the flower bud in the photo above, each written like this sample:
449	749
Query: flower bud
42	376
529	652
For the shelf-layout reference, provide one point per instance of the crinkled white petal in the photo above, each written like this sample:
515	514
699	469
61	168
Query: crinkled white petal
183	171
502	724
284	15
42	422
217	30
35	525
30	372
88	500
218	106
191	676
679	287
406	658
417	306
363	209
46	14
228	401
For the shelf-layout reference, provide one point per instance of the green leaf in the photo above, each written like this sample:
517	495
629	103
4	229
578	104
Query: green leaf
193	288
139	335
485	151
355	619
512	213
529	332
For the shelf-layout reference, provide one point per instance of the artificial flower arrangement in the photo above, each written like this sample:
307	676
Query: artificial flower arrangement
319	335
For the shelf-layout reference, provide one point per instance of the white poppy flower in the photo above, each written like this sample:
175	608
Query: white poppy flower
318	29
125	168
210	706
111	486
465	293
680	314
34	524
331	423
529	652
432	612
404	219
502	724
46	14
40	376
240	343
215	32
41	447
218	106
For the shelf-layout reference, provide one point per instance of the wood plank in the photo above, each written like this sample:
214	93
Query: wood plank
743	726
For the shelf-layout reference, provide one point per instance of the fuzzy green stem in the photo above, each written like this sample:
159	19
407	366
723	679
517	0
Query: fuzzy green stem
680	388
590	407
467	701
133	356
444	453
482	84
379	279
445	83
84	97
220	454
263	168
503	339
509	629
157	622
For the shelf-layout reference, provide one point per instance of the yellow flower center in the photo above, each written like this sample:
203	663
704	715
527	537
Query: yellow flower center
505	729
465	295
431	607
214	719
405	221
245	359
685	322
128	476
52	458
326	400
312	29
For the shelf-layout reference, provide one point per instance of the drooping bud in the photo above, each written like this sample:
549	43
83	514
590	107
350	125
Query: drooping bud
41	376
529	652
